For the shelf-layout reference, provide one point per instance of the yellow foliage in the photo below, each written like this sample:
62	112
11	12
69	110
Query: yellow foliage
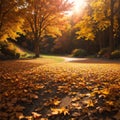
85	31
96	17
103	25
56	111
10	20
54	31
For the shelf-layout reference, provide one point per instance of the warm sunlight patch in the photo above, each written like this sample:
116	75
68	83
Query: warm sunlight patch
78	6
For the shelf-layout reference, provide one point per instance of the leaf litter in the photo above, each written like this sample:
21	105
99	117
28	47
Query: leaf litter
46	90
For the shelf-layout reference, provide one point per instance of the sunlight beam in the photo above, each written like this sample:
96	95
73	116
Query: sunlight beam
78	6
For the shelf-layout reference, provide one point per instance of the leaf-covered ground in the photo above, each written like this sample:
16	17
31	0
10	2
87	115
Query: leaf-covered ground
45	90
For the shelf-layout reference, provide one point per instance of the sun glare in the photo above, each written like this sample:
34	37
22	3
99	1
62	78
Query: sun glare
78	6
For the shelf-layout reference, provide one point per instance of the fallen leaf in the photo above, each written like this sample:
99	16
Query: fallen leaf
76	114
75	99
76	104
34	96
56	102
110	102
43	118
56	111
36	115
88	102
19	115
19	108
29	117
104	91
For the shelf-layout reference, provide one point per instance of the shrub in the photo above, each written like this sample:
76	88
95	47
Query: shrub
9	51
17	55
115	54
104	53
79	53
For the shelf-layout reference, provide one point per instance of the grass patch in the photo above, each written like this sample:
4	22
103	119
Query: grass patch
27	55
55	58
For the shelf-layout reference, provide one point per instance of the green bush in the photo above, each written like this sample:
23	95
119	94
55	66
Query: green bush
104	53
79	53
115	54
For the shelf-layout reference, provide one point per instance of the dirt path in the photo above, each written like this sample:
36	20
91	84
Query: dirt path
90	60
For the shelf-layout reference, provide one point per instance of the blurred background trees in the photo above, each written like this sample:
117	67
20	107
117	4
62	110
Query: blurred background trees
45	27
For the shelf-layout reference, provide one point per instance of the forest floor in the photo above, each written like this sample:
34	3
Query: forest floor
43	89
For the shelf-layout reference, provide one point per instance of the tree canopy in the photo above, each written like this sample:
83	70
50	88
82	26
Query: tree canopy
99	16
10	21
41	19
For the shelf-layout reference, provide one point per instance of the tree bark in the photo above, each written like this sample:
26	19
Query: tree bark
37	48
119	17
100	43
111	37
100	39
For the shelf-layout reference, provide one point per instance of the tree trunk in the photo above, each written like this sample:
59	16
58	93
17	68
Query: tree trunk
111	35
37	48
119	25
100	39
100	43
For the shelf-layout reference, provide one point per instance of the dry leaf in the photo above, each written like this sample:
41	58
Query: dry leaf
29	117
88	102
34	96
43	118
19	115
104	91
56	102
36	115
19	108
56	111
76	104
110	102
75	99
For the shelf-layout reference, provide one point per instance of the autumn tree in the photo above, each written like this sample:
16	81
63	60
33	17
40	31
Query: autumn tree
100	15
43	18
10	21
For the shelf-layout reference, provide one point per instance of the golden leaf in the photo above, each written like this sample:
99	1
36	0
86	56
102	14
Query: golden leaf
105	91
88	102
36	115
29	117
56	102
75	99
65	111
110	102
56	111
75	104
44	119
